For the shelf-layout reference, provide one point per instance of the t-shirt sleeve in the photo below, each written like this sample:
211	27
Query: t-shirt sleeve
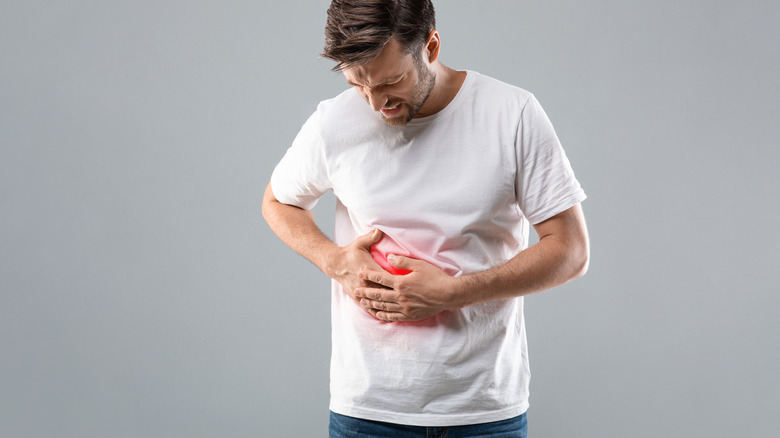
545	182
301	177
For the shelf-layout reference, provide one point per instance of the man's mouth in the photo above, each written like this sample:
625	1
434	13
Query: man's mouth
391	111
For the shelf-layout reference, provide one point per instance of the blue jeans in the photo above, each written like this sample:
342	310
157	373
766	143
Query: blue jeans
347	427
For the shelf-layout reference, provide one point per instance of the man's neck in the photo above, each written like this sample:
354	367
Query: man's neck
446	87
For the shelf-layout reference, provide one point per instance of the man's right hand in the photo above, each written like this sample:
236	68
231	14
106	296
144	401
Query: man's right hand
297	228
345	264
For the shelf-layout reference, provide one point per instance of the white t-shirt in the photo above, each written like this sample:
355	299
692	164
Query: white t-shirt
457	189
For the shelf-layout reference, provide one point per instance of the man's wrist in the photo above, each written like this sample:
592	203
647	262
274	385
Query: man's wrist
462	291
475	288
329	257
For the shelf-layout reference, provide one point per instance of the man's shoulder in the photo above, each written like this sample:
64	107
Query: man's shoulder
347	108
346	97
496	89
347	119
346	102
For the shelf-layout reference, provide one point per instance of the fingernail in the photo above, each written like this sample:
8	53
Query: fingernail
391	258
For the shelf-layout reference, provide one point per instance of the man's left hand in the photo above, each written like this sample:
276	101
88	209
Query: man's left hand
424	292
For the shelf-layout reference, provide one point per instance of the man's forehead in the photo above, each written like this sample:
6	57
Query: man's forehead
392	63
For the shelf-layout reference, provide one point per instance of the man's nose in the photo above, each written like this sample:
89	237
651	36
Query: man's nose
377	100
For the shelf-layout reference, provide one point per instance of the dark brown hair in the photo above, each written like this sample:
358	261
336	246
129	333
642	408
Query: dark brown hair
357	30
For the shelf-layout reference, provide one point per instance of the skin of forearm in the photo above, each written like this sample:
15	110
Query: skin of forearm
557	258
297	228
540	267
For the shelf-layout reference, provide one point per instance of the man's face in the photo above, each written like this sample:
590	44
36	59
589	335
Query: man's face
394	84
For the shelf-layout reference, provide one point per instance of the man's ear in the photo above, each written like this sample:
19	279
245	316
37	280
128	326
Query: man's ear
432	46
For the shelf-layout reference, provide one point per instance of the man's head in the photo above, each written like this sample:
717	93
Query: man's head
394	83
379	46
358	30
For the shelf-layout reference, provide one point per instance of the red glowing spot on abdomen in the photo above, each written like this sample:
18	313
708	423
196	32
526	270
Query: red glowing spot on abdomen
383	248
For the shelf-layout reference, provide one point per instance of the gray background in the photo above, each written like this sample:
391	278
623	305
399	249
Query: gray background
141	294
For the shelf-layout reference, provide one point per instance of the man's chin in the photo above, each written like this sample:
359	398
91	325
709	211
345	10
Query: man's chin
399	120
395	121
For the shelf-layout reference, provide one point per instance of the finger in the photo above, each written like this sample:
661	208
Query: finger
373	312
390	316
380	305
373	285
369	239
379	277
402	262
376	294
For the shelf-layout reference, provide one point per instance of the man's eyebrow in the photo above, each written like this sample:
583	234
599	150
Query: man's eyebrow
390	81
394	79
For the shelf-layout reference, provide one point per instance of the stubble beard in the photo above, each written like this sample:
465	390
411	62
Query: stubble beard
420	94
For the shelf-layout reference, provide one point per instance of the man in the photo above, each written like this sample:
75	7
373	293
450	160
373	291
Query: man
440	171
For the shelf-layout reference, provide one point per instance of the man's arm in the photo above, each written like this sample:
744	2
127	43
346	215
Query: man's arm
561	255
297	228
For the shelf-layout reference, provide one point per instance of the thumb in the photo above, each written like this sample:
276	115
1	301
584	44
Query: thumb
370	238
404	264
